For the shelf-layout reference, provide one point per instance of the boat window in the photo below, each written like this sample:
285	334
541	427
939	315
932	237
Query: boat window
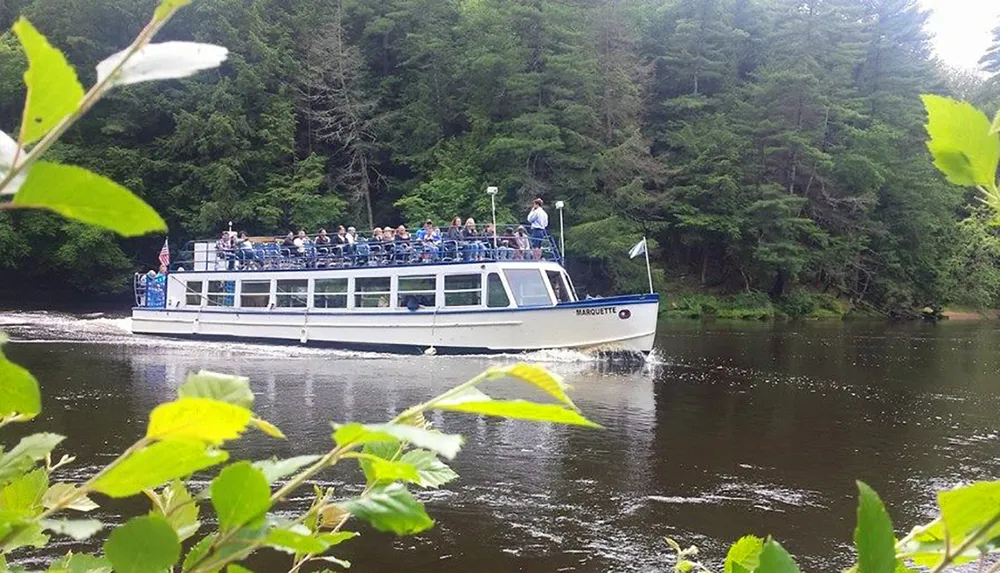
255	294
463	290
418	291
496	294
220	293
292	293
558	286
528	287
372	292
192	290
330	293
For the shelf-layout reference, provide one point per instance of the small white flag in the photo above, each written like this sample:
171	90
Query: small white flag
638	249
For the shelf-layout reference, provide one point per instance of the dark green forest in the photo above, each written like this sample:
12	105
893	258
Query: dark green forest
769	146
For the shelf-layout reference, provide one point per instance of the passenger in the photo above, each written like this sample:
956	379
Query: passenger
521	242
352	235
455	231
300	242
505	248
403	248
163	271
245	249
473	247
377	234
539	221
490	240
225	249
424	230
322	239
452	240
432	242
289	240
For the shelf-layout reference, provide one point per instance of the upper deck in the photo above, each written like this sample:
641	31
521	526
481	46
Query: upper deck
271	254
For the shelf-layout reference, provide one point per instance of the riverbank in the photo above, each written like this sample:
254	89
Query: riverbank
758	306
800	305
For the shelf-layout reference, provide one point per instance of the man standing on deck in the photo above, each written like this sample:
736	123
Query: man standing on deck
539	221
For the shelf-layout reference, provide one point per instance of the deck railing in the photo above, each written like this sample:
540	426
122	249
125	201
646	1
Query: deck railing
273	255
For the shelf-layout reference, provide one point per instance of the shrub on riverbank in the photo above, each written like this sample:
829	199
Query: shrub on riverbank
753	306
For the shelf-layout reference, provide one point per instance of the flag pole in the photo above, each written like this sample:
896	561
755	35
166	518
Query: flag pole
649	271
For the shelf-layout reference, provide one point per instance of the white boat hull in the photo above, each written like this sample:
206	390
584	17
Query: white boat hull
624	323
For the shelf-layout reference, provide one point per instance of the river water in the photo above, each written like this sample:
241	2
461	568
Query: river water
733	429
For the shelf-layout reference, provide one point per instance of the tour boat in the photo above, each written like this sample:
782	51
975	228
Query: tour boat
398	297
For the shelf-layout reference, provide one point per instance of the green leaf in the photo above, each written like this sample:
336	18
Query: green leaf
179	509
143	545
293	542
744	555
198	552
80	563
873	536
78	194
23	535
539	377
210	421
274	470
267	427
431	471
337	537
167	7
240	494
966	509
63	490
383	470
19	393
23	456
446	445
54	92
961	142
335	560
156	465
774	559
78	529
233	390
521	410
928	547
392	509
23	495
236	568
385	450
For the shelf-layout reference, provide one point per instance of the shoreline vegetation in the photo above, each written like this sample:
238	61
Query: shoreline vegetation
758	306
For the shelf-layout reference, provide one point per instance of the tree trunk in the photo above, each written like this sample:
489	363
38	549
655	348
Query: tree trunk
704	265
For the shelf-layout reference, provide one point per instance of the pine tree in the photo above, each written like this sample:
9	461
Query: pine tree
338	111
696	57
990	62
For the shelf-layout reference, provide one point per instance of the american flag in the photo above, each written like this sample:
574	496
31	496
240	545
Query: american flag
165	254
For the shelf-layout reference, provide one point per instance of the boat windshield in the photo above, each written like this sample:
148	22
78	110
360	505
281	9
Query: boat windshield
528	287
559	286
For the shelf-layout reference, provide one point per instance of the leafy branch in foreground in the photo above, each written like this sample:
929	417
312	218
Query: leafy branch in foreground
968	529
187	435
965	145
56	100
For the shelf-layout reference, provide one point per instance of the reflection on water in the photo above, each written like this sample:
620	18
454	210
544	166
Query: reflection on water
746	428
